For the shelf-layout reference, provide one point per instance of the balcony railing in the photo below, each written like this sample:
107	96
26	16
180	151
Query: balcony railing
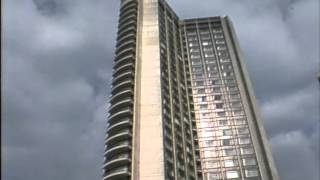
117	173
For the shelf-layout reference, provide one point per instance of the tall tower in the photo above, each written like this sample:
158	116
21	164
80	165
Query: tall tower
181	104
150	132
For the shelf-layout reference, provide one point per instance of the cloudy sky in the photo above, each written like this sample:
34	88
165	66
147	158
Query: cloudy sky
57	67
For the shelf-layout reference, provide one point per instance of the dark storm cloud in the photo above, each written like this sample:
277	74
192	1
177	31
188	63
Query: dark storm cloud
49	7
57	67
58	57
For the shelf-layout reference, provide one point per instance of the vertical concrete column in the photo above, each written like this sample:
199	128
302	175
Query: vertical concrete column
151	158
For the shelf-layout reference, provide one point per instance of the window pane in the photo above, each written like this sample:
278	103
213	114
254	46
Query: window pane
232	174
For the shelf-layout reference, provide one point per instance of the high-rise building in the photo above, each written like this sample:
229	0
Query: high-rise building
181	104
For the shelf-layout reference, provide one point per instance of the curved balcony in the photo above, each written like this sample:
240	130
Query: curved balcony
125	52
123	29
121	104
126	44
127	5
122	39
117	156
127	66
124	11
122	77
119	136
121	147
121	94
119	125
122	113
116	163
131	14
125	48
126	31
128	24
124	84
122	173
127	18
124	60
132	10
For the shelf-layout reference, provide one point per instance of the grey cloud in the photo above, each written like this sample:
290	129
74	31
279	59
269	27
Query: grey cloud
57	67
293	149
58	62
49	7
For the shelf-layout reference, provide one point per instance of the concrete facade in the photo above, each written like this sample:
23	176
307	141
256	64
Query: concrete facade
182	105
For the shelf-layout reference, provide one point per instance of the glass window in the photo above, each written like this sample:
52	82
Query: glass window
205	36
213	74
208	143
204	115
197	76
232	88
243	130
199	83
192	38
214	82
244	140
236	104
240	121
229	152
246	150
226	66
208	49
193	44
219	106
213	176
218	36
249	161
196	68
216	89
227	132
194	56
208	54
192	33
227	74
206	43
238	112
227	142
221	48
220	42
251	172
194	50
222	60
195	61
212	67
217	30
221	114
223	122
235	96
217	97
232	174
204	32
210	153
210	60
230	163
203	106
230	81
201	91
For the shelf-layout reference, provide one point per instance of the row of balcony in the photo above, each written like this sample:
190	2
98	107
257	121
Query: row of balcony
117	164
